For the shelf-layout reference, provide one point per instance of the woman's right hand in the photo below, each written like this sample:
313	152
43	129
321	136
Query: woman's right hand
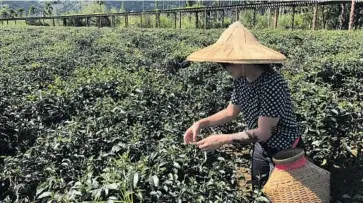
192	133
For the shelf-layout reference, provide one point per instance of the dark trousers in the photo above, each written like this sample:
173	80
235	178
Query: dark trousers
262	164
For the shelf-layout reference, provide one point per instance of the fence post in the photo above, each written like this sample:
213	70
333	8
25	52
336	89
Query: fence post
276	17
127	20
141	16
158	19
175	14
180	19
324	20
315	16
222	18
196	19
254	17
205	19
293	18
237	14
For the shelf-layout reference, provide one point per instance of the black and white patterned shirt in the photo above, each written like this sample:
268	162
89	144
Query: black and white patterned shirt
268	96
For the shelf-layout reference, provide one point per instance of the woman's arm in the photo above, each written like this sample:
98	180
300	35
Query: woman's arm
260	134
224	116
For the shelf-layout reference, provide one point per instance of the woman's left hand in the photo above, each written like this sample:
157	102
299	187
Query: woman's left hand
212	142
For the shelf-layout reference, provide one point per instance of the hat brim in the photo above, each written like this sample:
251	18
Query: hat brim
237	54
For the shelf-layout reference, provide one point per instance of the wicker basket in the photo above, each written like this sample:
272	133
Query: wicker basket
296	179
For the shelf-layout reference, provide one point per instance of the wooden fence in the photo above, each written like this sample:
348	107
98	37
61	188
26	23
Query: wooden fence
109	19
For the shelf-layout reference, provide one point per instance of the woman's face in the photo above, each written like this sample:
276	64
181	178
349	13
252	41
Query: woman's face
235	70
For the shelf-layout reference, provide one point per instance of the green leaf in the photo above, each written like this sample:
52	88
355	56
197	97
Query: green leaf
136	179
40	190
44	194
262	199
335	112
155	180
176	165
316	143
221	159
112	186
97	193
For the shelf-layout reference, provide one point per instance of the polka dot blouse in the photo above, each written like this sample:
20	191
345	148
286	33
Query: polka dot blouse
269	96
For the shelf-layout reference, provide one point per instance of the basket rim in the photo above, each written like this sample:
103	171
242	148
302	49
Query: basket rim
296	154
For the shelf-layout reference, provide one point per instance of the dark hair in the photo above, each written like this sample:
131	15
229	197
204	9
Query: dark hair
224	65
265	67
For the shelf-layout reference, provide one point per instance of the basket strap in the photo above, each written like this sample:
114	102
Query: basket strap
296	142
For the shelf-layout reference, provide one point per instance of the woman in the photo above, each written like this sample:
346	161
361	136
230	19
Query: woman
260	93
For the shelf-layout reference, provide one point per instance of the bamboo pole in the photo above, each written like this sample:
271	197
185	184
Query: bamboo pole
180	19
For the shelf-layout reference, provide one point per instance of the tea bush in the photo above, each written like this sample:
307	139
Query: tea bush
93	114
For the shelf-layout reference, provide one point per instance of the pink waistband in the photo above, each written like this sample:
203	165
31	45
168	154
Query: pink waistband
296	142
297	164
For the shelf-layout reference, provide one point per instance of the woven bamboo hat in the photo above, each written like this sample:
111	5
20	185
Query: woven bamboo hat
239	46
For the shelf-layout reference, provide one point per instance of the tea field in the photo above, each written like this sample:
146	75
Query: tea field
90	114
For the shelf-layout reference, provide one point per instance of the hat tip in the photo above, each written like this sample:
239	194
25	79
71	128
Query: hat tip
236	24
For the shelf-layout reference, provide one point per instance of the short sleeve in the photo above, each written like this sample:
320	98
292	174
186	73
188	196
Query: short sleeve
273	99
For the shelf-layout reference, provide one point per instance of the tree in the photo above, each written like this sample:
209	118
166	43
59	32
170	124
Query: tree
48	9
216	3
342	16
122	7
189	3
31	11
12	13
156	4
351	17
100	3
20	12
4	13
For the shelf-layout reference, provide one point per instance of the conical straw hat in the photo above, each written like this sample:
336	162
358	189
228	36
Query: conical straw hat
237	45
